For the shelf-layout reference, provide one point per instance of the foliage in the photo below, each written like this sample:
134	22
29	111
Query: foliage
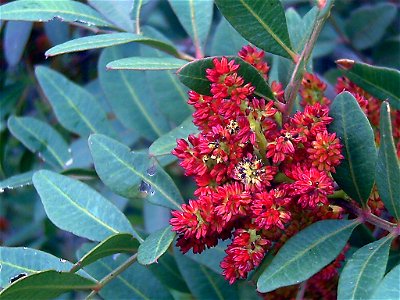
290	161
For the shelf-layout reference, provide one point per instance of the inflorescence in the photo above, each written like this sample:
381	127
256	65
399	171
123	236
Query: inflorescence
259	181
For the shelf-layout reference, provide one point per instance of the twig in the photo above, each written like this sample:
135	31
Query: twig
112	275
302	290
365	215
298	72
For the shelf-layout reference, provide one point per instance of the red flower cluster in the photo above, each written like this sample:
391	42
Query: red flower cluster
259	181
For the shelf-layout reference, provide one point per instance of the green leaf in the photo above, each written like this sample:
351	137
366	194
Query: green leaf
137	282
387	172
75	108
296	260
146	63
202	282
355	174
262	23
367	25
300	28
115	11
15	261
193	75
155	245
16	181
233	41
108	40
195	17
383	83
123	171
117	243
64	10
46	285
75	207
16	35
128	94
166	143
364	270
212	257
166	270
41	138
166	89
389	286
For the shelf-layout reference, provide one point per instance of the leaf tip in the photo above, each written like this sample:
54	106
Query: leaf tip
345	64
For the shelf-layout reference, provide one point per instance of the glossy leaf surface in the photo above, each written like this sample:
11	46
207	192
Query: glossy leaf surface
355	174
306	253
262	23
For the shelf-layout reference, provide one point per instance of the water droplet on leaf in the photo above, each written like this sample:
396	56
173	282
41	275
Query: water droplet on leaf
146	187
152	170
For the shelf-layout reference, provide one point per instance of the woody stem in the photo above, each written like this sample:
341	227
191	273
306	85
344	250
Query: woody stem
112	275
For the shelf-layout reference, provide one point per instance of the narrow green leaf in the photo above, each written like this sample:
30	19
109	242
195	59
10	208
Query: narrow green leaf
128	94
355	174
75	108
166	89
16	35
387	173
166	143
146	63
155	245
383	83
297	259
108	40
46	285
193	75
195	17
262	23
115	11
389	286
117	243
137	282
16	181
166	270
15	261
75	207
364	270
366	26
202	282
41	138
128	173
43	11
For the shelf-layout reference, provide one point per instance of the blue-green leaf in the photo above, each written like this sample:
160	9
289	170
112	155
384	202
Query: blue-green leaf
43	11
389	286
128	173
41	138
75	108
75	207
364	270
195	16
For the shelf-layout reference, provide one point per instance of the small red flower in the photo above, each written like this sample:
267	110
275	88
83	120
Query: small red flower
267	212
325	152
311	185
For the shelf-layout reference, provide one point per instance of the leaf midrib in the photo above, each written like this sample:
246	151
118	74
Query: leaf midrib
128	166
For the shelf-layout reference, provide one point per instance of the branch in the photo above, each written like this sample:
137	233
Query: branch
112	275
299	69
365	215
